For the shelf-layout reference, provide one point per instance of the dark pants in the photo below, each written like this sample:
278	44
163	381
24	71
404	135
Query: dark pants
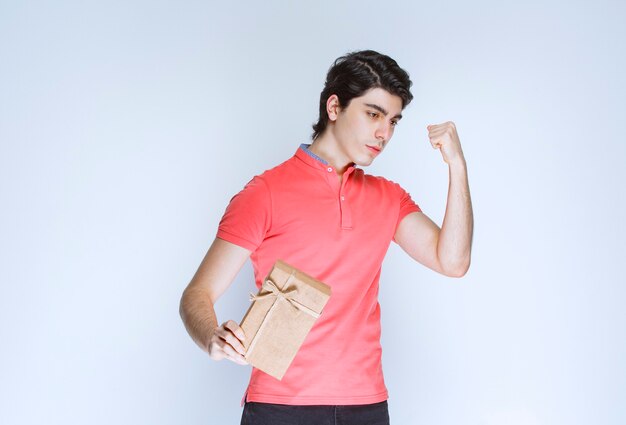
281	414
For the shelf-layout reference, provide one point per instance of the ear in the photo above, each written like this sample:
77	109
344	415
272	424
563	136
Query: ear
332	107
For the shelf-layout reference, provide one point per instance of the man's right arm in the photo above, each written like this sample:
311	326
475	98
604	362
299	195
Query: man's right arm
216	272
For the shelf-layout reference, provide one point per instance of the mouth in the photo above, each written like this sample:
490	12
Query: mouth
374	149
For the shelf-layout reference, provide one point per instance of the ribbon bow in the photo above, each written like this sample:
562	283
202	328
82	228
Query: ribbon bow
274	291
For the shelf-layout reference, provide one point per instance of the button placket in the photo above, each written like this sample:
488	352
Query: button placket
344	205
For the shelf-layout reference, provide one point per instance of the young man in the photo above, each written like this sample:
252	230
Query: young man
320	212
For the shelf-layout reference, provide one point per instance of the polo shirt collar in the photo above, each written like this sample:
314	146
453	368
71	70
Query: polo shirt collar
315	161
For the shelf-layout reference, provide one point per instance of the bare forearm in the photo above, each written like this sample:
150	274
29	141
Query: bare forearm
455	239
198	314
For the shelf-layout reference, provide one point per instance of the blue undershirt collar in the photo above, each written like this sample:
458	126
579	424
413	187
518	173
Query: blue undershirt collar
305	147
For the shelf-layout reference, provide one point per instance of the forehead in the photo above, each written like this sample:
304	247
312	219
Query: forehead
382	98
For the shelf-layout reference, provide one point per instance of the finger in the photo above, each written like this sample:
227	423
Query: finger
434	127
443	129
443	124
435	142
437	132
234	356
220	348
236	329
239	361
231	339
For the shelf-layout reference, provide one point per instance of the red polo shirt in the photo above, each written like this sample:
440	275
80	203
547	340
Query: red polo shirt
339	233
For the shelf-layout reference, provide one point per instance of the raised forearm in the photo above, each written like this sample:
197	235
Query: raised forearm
455	239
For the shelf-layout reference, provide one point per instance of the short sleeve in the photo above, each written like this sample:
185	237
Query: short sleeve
407	206
248	216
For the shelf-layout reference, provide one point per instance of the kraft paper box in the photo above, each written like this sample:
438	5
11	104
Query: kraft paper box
280	317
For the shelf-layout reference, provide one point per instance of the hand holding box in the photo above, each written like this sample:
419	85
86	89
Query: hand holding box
281	316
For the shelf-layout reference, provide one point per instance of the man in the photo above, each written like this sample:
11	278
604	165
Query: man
322	214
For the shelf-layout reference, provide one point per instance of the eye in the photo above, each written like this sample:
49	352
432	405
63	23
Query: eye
394	123
373	114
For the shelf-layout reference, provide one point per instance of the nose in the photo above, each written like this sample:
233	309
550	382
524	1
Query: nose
384	132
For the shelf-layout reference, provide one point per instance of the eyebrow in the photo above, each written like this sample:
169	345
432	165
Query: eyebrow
382	110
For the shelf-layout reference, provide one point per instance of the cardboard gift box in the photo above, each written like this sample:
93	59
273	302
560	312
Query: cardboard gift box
281	316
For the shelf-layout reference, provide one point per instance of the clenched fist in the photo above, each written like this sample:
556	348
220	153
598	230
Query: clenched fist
445	138
226	342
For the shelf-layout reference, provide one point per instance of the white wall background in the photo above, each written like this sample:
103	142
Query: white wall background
126	127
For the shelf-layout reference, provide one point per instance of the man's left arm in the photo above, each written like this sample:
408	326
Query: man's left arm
446	250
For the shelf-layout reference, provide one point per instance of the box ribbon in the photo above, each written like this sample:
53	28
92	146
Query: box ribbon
274	291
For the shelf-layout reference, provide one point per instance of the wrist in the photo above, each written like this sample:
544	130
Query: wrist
458	163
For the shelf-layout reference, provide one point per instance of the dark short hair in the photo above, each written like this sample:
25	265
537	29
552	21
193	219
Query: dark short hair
355	73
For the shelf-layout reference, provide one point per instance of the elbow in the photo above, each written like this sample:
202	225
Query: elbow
183	305
457	273
457	270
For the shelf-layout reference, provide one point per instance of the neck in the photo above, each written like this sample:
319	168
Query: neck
326	147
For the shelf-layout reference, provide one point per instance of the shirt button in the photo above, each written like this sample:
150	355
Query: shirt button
329	169
343	198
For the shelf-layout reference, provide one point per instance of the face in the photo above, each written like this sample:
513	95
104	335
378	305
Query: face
365	126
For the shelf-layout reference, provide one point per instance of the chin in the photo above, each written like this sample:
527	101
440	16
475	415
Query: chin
364	162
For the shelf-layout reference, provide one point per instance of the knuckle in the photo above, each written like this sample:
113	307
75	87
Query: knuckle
216	354
214	348
223	341
232	326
